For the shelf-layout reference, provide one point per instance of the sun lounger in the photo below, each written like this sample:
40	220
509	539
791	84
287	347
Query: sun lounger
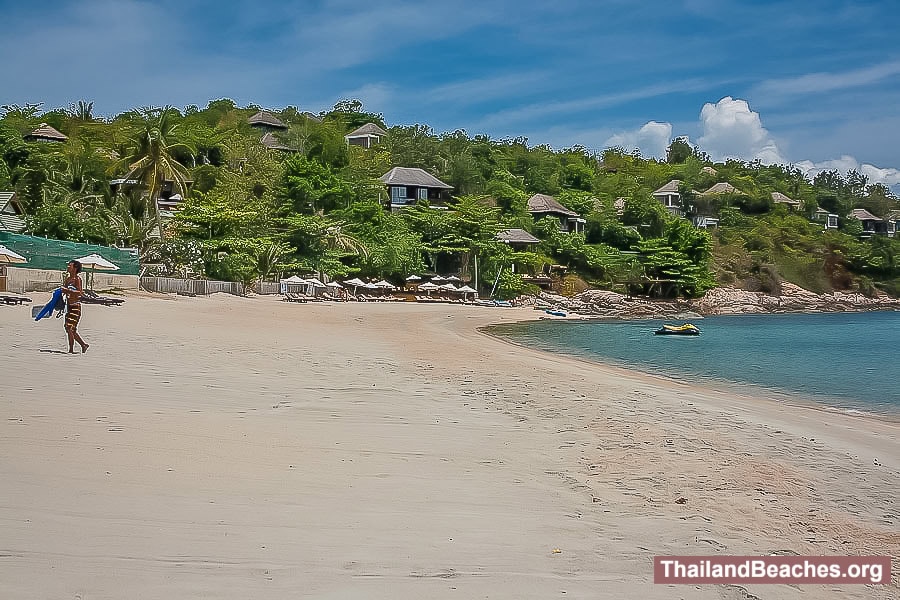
14	300
91	297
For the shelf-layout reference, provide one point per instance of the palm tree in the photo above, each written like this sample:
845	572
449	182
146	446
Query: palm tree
336	239
151	160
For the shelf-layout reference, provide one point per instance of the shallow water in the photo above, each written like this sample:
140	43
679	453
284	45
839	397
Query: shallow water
844	360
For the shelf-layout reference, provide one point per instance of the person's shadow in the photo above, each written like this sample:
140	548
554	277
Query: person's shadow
53	351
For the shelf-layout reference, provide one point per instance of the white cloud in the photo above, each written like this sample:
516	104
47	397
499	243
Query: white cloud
732	130
652	139
888	177
545	110
817	83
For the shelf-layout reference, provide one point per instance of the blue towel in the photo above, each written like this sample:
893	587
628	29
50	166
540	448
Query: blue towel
55	300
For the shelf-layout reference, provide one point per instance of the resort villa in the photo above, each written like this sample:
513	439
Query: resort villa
669	196
366	136
542	206
46	133
12	215
830	220
871	224
269	124
779	198
407	185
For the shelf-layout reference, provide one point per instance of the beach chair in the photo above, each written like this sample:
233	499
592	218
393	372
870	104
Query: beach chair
14	300
92	297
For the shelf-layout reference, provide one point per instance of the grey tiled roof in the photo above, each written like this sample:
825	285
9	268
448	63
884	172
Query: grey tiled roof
669	188
541	203
271	142
413	176
367	129
782	199
862	214
266	118
722	188
517	236
46	132
13	223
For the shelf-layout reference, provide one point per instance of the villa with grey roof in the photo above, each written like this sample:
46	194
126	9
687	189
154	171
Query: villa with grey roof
366	136
779	198
670	197
407	185
541	206
872	225
12	215
46	133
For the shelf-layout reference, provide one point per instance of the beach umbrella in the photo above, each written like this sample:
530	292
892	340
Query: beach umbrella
449	287
453	278
315	282
333	284
355	282
292	281
437	279
9	257
466	290
384	284
96	263
414	278
428	286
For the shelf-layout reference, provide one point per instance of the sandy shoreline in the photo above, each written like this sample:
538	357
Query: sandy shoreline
233	448
749	392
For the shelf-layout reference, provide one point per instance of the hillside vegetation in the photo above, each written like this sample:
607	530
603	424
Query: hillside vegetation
251	212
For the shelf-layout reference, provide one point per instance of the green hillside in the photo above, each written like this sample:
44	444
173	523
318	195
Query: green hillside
240	206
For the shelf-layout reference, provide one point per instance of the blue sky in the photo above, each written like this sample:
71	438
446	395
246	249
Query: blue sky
813	83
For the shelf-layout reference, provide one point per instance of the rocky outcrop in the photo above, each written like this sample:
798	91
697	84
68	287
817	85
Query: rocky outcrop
718	301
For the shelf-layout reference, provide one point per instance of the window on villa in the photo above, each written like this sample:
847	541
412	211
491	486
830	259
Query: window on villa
398	193
423	193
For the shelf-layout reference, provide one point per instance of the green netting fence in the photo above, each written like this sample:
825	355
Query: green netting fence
53	255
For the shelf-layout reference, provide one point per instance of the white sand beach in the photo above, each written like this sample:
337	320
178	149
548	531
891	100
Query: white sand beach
236	448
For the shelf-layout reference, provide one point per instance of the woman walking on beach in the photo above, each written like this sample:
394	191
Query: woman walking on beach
73	289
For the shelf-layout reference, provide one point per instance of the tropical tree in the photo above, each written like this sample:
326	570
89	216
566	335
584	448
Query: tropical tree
151	157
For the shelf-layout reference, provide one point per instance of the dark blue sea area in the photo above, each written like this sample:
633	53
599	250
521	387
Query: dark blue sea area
843	360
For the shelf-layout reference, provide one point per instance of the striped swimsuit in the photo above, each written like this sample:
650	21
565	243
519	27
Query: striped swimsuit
73	315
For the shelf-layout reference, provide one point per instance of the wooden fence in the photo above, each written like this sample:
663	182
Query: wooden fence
204	287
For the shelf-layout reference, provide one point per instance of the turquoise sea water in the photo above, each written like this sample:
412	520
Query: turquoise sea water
844	360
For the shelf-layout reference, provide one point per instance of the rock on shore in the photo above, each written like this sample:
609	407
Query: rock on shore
718	301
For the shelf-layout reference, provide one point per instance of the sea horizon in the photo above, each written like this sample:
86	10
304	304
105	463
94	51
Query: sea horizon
833	361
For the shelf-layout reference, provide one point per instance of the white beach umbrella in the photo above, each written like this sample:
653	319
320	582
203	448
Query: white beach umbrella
437	279
466	290
371	286
414	278
449	287
385	284
96	263
10	257
293	279
428	286
453	278
315	282
355	282
333	284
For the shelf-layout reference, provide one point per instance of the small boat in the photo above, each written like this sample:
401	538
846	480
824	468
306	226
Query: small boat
556	313
686	329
